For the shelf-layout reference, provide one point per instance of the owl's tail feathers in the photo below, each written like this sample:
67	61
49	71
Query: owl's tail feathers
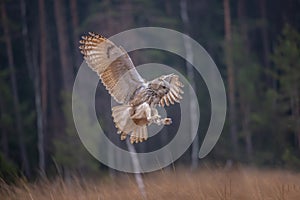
139	134
125	125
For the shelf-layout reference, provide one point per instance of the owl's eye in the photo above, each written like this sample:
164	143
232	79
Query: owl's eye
164	87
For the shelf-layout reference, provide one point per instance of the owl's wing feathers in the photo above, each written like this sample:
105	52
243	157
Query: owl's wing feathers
113	65
175	90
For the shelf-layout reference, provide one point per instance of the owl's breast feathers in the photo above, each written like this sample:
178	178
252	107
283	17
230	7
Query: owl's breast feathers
142	95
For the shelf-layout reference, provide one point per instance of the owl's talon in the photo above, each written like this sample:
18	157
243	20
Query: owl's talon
132	139
167	121
123	136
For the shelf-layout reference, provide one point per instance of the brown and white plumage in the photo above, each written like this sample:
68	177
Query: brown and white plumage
138	97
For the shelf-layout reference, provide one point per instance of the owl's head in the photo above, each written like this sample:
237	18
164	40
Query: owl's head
160	86
167	89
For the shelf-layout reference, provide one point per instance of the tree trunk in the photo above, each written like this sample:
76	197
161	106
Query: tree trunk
67	74
243	26
63	43
4	138
295	107
128	21
190	74
16	102
265	40
55	117
297	115
231	79
245	109
44	85
137	167
43	55
168	7
34	75
75	27
246	131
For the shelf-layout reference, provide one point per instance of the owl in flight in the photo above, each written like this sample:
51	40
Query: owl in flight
138	97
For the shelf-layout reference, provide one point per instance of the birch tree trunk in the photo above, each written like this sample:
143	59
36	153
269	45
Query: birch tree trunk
44	85
16	101
35	77
231	79
136	165
128	21
190	74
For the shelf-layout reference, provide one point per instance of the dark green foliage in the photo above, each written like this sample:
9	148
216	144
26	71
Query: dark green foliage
70	154
286	58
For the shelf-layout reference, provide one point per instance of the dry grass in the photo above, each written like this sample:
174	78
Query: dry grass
180	184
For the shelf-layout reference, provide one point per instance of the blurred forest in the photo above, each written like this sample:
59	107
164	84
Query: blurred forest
255	44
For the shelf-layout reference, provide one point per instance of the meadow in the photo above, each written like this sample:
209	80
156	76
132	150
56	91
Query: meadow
206	184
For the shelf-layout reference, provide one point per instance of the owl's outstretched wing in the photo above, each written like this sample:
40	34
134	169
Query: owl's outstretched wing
175	90
113	65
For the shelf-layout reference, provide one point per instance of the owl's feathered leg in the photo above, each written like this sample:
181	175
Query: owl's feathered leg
136	124
121	117
156	118
126	124
144	111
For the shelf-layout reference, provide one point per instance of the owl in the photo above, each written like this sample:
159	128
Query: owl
137	97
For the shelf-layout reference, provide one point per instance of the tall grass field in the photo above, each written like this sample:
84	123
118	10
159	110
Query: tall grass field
204	184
